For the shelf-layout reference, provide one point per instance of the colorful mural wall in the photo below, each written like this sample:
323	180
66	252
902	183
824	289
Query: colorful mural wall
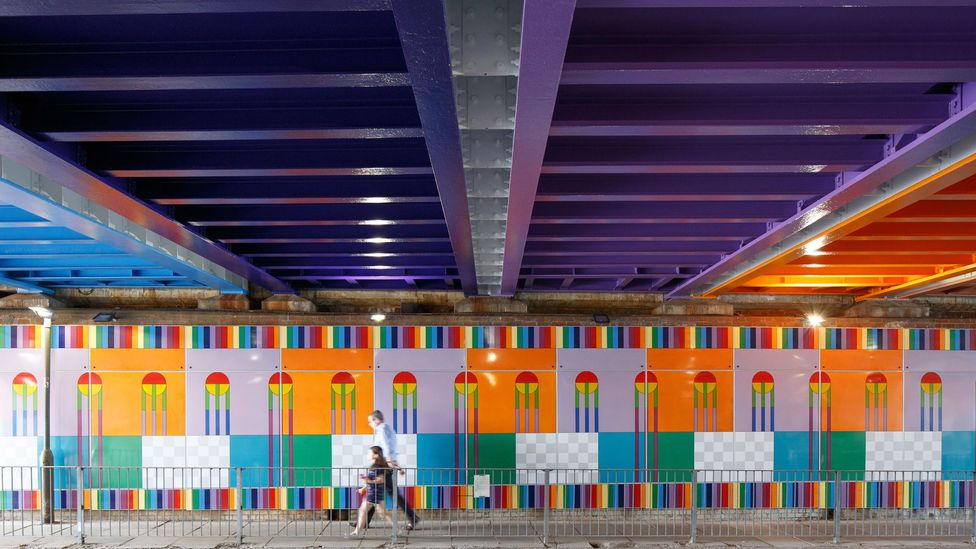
628	402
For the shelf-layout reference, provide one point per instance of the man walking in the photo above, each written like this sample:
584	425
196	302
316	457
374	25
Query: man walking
385	438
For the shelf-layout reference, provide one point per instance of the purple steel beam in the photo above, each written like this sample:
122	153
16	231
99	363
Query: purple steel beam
26	150
666	186
584	111
422	26
705	127
810	72
706	151
368	189
695	4
666	232
33	8
267	172
202	82
108	136
957	127
600	168
645	212
545	35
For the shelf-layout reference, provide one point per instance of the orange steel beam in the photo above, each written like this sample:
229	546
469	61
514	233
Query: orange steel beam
855	247
925	187
833	270
954	173
965	274
773	281
935	209
915	231
880	259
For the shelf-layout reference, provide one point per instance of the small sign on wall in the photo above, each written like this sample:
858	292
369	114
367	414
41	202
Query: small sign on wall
482	486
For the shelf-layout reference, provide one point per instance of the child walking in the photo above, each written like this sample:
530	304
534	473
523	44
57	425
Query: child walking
374	490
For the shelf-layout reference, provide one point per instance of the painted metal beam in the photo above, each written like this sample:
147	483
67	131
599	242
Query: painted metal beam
940	158
33	8
26	287
202	82
964	275
110	136
704	73
704	128
697	4
422	26
29	152
545	35
267	172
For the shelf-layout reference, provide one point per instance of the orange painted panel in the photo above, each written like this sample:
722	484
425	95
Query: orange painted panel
847	402
689	359
122	402
511	359
327	359
676	401
497	392
836	359
138	359
321	400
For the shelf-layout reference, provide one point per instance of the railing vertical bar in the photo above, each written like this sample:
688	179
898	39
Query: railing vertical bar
80	484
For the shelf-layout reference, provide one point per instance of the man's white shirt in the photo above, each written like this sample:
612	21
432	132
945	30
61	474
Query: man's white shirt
385	438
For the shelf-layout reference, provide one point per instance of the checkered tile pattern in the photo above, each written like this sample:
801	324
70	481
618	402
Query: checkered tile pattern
159	456
407	450
898	454
754	451
209	460
19	453
349	452
570	451
740	452
715	450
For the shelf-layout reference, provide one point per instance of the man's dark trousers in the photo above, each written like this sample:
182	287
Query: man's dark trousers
401	503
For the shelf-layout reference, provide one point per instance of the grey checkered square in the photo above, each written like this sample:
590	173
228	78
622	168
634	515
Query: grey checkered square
160	455
407	457
903	455
571	453
349	458
19	459
754	452
208	458
715	450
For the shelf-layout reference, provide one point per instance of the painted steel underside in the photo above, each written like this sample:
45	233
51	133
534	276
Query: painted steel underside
318	142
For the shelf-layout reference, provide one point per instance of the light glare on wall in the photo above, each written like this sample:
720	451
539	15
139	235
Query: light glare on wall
815	319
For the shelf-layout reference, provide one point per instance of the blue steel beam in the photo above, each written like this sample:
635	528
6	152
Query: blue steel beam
422	25
21	197
29	152
545	34
27	287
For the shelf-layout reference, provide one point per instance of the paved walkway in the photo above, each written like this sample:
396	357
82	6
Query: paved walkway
416	542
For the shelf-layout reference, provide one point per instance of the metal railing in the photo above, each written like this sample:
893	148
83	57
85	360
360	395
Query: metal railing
546	504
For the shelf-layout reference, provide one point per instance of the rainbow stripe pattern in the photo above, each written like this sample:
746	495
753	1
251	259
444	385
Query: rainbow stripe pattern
775	338
868	339
485	337
600	337
231	337
20	337
936	339
799	494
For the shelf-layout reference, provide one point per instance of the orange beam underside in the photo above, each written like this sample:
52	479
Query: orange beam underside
901	244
